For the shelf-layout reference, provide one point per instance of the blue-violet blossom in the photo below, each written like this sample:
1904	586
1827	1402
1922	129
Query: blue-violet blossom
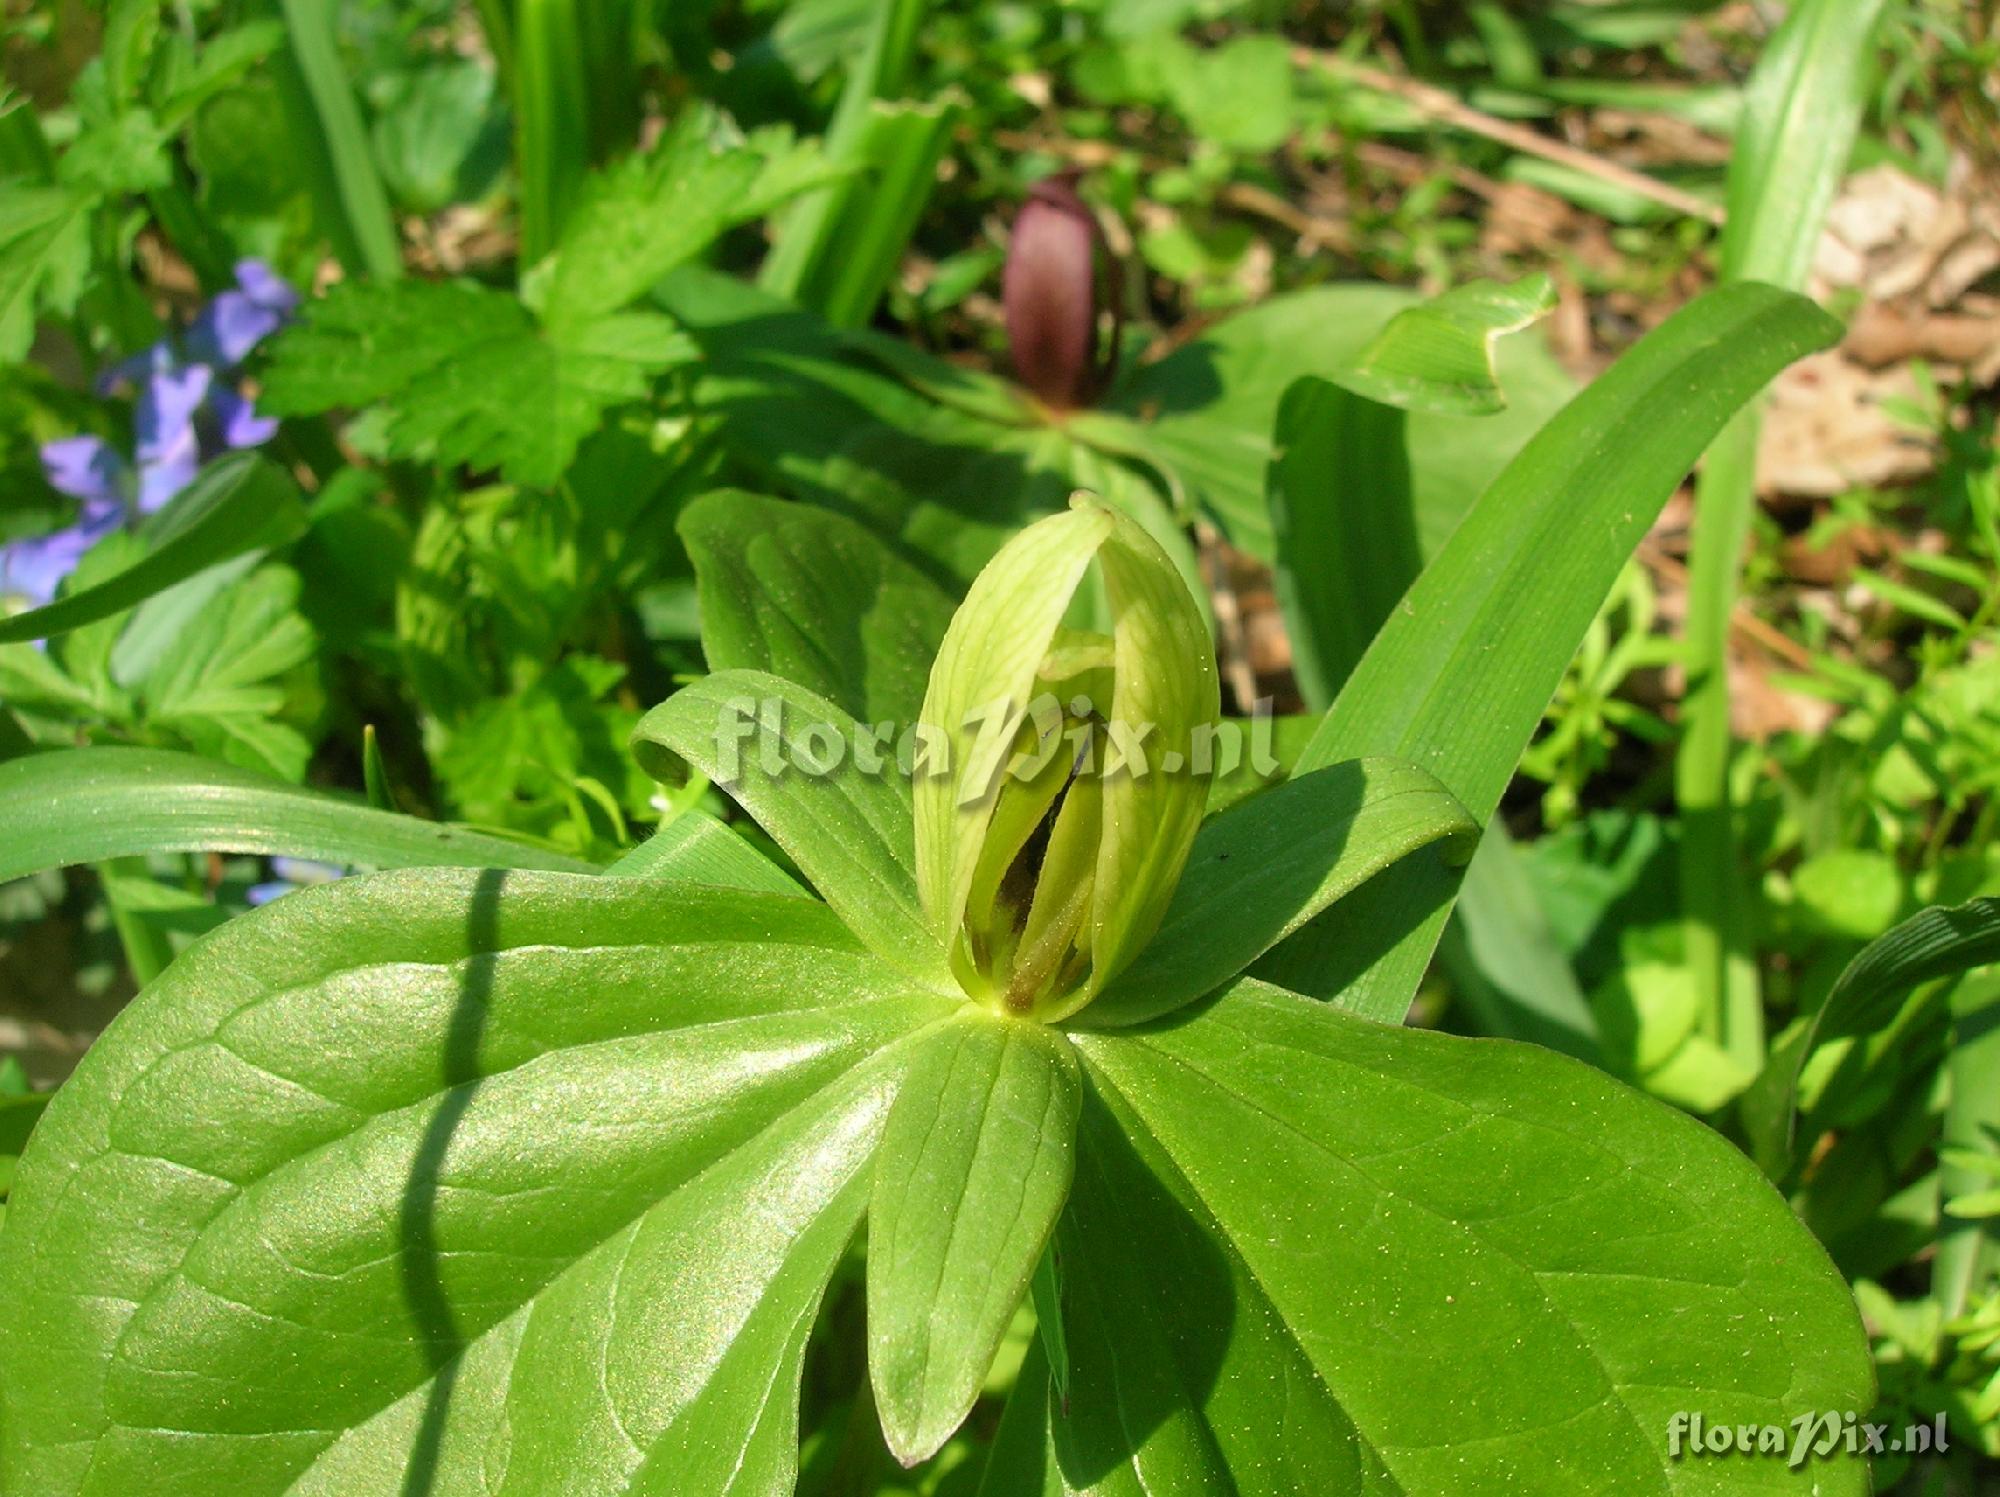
187	409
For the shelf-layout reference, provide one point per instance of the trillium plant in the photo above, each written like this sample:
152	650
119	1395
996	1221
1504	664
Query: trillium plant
514	1180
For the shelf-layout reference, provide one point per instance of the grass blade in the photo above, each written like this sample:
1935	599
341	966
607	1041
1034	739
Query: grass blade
551	121
339	160
809	231
1800	117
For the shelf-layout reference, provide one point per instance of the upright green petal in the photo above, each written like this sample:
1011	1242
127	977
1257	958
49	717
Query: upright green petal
991	655
1048	851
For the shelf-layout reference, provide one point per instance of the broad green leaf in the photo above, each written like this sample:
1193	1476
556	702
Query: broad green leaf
1184	1377
697	847
1933	943
849	829
1475	1266
84	805
1021	1462
974	1166
1348	546
449	1182
1457	680
1264	868
1238	95
1439	355
467	375
1505	959
237	505
816	598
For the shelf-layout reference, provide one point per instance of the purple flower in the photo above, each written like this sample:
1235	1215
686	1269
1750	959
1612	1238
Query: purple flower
241	425
85	468
237	321
33	569
1050	293
130	371
292	874
169	448
183	407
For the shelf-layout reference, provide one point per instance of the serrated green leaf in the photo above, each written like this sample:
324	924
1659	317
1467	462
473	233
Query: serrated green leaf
124	154
219	65
84	805
640	219
466	374
973	1169
815	598
44	257
365	1188
1264	868
849	830
216	686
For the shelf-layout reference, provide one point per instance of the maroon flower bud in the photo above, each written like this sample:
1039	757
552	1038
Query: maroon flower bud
1053	292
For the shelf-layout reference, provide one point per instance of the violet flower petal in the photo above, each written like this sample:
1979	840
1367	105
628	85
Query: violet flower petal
85	468
240	423
167	406
34	568
265	286
133	370
168	474
229	327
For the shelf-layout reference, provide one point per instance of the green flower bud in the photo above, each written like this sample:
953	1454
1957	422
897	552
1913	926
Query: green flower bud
1057	793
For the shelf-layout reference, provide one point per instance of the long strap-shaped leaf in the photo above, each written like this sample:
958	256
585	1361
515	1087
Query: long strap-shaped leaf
1458	679
84	805
848	828
1264	868
1801	111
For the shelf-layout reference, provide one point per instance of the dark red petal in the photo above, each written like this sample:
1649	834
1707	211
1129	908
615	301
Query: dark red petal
1050	294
